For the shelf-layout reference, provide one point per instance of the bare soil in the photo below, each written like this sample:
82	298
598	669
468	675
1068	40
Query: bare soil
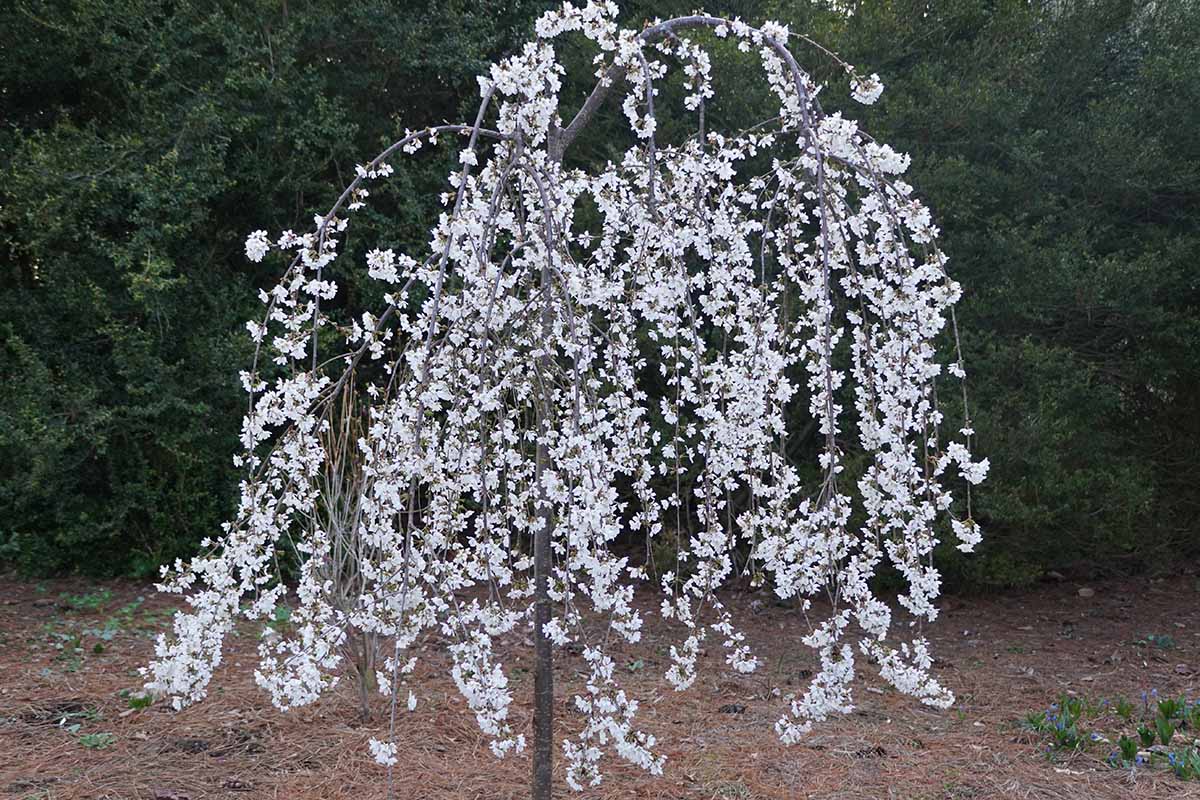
69	653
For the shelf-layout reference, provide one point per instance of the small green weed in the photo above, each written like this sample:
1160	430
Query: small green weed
97	741
1165	729
1160	641
1124	709
91	601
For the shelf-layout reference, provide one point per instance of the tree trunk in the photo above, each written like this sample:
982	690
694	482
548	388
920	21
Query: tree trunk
543	679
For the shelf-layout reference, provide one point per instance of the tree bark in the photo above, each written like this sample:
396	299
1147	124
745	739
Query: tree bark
543	679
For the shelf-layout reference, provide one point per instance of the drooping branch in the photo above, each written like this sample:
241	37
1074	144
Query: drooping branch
511	436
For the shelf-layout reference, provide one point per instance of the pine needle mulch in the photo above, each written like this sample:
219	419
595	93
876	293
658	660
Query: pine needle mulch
67	729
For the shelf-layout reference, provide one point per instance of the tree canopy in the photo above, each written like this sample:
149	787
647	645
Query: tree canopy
142	141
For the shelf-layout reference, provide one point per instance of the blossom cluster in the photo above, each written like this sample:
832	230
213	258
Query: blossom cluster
787	266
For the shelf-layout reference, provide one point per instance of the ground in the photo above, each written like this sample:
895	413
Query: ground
69	653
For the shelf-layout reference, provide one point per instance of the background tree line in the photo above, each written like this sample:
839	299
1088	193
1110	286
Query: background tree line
142	139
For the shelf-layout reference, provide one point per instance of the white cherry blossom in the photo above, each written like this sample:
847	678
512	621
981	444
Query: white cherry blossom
750	277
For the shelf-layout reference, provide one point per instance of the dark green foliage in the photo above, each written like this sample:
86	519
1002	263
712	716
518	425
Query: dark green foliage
143	140
1058	149
1056	144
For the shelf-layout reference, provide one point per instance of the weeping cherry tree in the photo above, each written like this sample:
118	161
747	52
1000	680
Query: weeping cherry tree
506	435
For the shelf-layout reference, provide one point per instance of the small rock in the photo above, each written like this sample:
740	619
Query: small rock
732	708
29	784
1087	592
1055	576
870	752
235	785
188	745
1183	669
168	794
